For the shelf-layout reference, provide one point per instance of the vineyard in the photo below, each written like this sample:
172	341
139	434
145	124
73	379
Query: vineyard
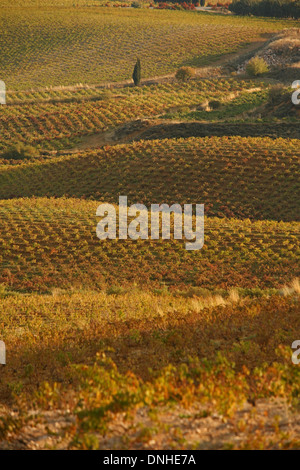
145	330
49	243
58	119
233	177
141	344
67	45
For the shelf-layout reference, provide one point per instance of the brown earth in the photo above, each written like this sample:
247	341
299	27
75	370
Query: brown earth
269	425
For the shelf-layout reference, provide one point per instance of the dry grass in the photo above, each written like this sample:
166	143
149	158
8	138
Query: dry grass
286	46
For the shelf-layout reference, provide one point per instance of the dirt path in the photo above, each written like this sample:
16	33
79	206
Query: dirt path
167	129
134	130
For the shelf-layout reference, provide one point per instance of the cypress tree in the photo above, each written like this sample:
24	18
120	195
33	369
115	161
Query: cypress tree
137	73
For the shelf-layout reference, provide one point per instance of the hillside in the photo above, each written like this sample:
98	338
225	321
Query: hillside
142	344
233	177
69	45
48	243
185	391
60	119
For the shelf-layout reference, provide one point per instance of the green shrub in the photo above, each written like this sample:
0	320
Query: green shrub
215	104
256	66
21	151
184	74
136	5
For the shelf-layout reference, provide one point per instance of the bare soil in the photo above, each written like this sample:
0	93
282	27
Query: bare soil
268	424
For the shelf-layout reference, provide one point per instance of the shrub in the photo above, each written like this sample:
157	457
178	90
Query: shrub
202	3
256	66
215	104
185	74
136	5
21	151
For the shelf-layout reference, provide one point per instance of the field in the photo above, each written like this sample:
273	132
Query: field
169	407
53	120
142	344
216	168
58	247
50	47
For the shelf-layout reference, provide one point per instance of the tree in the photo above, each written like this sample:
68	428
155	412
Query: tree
137	73
269	8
